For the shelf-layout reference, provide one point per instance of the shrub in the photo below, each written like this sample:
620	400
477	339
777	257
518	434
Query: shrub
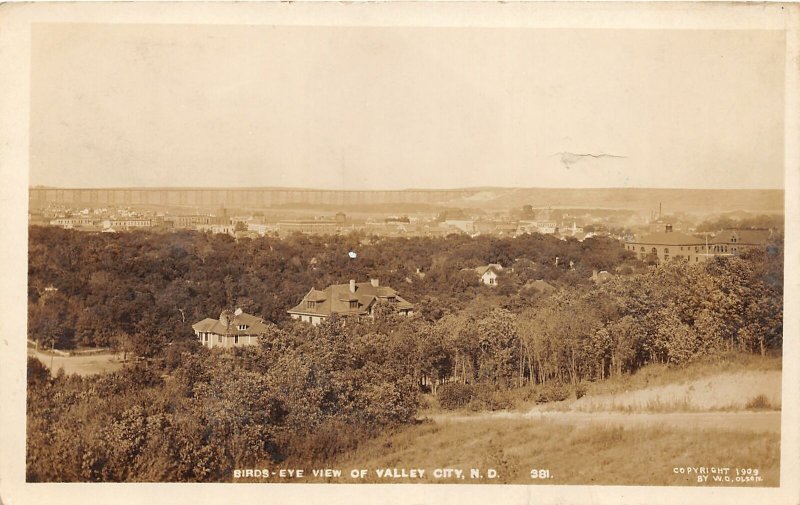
552	392
759	402
486	397
454	395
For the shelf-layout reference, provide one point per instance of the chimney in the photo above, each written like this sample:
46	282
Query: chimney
237	312
594	274
352	286
374	282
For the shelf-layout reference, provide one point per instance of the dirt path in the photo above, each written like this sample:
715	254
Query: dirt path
81	365
769	421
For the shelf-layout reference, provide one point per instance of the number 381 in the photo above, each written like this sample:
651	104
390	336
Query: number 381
540	474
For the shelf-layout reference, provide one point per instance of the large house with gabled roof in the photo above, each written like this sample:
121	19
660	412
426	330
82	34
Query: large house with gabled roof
232	329
353	299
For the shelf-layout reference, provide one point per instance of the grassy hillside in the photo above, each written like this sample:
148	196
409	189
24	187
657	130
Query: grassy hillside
635	446
572	454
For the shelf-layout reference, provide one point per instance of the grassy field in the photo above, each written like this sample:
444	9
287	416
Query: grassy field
571	454
81	365
668	426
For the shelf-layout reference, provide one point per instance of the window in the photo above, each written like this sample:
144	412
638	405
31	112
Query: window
236	339
311	304
242	327
219	339
642	249
666	250
653	251
392	299
353	304
205	337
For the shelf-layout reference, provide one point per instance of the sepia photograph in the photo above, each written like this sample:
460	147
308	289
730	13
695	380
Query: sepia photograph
400	252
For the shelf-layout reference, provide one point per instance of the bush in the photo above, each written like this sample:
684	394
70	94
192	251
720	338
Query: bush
454	395
759	402
489	398
552	392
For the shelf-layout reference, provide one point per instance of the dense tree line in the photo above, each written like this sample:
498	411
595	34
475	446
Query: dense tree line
182	412
196	415
142	289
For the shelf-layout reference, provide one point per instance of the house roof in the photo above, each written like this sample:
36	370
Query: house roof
541	286
495	267
336	299
750	237
602	276
254	325
669	238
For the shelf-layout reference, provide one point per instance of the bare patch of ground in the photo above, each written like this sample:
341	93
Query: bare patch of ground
81	365
743	401
724	391
754	422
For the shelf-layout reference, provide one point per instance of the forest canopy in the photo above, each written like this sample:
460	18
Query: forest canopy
182	412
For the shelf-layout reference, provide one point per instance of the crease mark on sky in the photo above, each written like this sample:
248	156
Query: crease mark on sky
569	159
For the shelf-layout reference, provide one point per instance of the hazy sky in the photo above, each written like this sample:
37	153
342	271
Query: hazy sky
386	108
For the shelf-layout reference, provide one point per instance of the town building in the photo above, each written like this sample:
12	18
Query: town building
736	241
668	244
314	227
459	225
232	329
127	224
357	299
189	222
545	227
69	223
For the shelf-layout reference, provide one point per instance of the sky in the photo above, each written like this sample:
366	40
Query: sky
116	105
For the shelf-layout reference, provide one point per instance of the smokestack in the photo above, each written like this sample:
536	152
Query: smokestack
374	282
352	286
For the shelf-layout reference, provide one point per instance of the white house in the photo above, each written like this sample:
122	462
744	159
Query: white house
232	329
489	273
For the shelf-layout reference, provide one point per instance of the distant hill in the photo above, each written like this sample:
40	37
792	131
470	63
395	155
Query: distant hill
636	199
